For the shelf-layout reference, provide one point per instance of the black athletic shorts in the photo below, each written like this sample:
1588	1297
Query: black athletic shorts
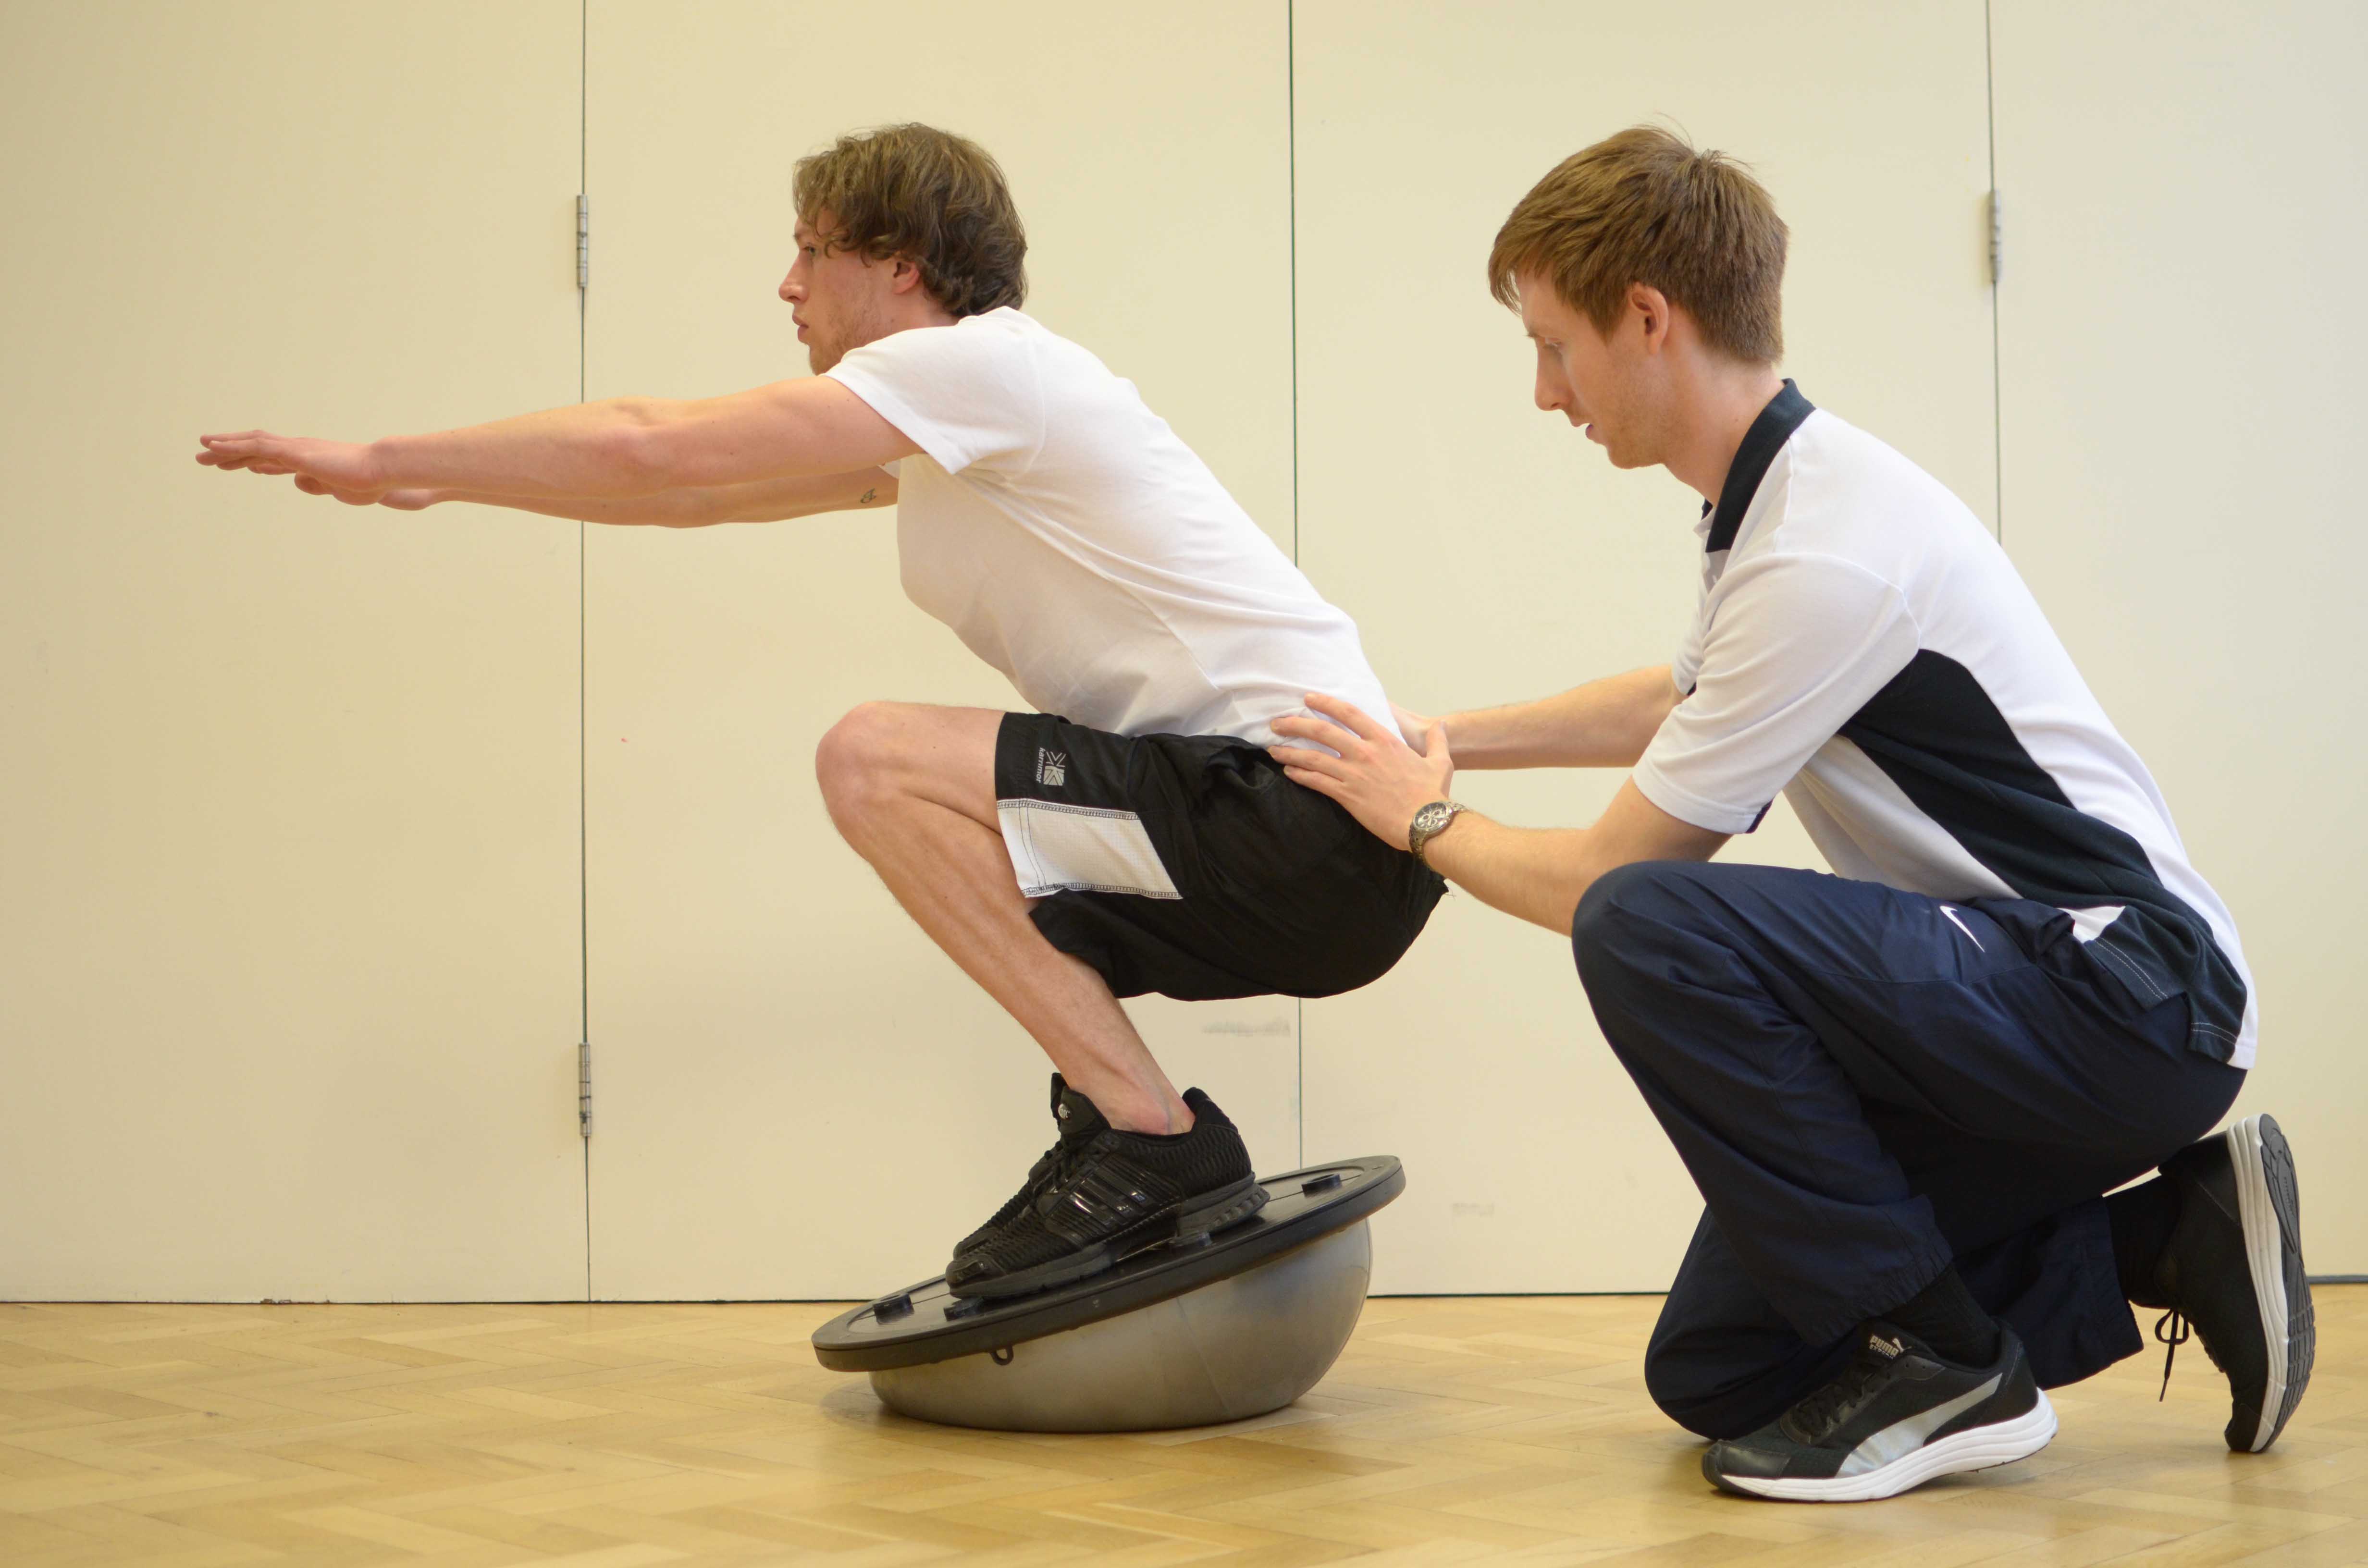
1189	865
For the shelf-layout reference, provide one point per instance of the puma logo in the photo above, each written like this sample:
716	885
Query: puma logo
1890	1348
1052	767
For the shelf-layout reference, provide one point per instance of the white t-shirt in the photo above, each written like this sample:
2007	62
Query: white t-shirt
1075	543
1864	645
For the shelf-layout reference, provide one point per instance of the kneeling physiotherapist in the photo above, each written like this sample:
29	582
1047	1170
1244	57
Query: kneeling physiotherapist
1902	1089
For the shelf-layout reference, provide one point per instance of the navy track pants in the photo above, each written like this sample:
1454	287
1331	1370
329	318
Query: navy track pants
1869	1084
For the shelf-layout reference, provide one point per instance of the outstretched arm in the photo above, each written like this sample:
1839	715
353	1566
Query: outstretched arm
760	501
612	450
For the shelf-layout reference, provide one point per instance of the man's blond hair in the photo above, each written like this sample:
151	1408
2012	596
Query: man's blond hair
1643	207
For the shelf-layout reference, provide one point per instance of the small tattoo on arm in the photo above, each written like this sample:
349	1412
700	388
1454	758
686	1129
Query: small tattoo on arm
868	497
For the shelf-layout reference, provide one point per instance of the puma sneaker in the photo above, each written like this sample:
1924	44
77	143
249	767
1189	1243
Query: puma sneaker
1099	1194
1894	1417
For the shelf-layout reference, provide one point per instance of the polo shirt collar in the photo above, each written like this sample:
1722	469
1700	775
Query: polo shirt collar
1761	444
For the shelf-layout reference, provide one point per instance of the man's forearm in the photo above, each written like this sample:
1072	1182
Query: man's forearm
591	451
693	507
1541	875
1537	874
1605	723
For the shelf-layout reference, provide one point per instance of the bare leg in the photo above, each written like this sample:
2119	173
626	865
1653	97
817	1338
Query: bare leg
912	790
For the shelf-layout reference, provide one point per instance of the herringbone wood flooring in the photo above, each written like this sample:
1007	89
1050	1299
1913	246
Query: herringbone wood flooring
1451	1431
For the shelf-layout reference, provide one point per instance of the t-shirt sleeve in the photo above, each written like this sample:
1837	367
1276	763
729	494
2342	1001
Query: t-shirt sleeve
1687	663
1795	644
963	395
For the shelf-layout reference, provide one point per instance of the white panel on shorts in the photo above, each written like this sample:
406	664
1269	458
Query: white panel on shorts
1057	848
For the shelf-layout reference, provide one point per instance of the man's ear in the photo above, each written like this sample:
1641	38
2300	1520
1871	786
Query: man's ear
1650	308
906	275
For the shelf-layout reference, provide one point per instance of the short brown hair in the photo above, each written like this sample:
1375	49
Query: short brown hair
1643	207
929	196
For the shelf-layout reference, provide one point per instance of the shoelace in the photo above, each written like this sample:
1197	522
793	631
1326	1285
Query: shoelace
1051	1168
2173	1330
1816	1413
1068	1164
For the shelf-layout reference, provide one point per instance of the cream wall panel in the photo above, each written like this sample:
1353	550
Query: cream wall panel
799	1096
2181	332
1490	554
289	946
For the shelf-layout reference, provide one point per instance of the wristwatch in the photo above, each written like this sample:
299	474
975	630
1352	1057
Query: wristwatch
1429	823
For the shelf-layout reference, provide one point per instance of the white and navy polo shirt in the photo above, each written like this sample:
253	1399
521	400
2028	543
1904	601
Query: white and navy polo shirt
1864	645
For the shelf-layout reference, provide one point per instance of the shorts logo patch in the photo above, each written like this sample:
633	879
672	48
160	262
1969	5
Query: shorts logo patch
1052	767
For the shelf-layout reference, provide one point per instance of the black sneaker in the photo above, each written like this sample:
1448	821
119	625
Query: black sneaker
2232	1268
1099	1194
1896	1416
1079	1120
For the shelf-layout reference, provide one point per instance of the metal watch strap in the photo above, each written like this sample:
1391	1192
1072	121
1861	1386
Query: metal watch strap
1429	823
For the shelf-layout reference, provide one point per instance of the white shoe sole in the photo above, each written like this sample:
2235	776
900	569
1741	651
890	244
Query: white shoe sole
2273	1256
1976	1447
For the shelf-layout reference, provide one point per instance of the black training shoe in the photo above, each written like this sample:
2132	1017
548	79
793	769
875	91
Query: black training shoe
1896	1416
1106	1194
2232	1268
1079	1120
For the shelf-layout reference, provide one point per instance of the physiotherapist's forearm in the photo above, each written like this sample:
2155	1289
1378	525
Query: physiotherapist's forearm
1541	875
1536	874
1605	723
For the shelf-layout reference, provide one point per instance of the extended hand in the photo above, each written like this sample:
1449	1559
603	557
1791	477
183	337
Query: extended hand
1381	779
343	469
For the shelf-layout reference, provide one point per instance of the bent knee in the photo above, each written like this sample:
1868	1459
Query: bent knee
1676	1395
1614	900
1705	1416
1711	1397
855	755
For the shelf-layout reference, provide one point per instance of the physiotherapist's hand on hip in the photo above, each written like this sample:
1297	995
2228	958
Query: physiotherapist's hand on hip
1381	780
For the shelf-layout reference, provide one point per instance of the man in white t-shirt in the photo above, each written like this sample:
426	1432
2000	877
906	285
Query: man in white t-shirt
1134	836
1903	1090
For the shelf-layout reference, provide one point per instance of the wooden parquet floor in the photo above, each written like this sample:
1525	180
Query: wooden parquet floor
1451	1431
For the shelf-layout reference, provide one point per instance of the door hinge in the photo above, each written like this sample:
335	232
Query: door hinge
584	1088
1997	241
583	242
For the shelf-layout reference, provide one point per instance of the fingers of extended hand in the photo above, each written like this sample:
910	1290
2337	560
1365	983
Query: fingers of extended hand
1321	783
260	450
1323	732
1305	761
1347	715
228	455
